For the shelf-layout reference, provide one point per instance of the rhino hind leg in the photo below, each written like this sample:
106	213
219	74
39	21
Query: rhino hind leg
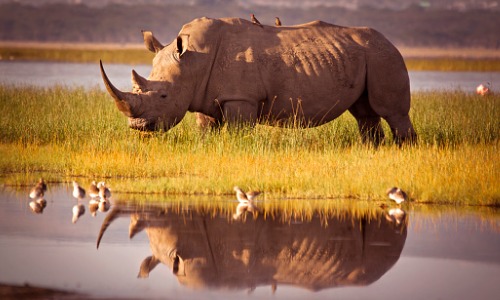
368	121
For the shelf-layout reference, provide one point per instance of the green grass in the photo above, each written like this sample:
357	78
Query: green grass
63	134
142	56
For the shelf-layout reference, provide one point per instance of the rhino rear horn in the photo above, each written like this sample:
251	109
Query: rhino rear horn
152	44
139	81
147	265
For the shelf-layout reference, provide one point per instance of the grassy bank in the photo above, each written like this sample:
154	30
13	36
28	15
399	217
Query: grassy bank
135	55
64	134
92	55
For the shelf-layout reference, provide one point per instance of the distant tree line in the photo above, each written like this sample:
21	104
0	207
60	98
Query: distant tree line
414	26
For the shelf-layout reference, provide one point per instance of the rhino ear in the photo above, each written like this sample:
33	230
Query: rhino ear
182	44
152	44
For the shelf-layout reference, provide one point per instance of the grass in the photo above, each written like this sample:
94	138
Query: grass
63	134
134	55
117	55
453	64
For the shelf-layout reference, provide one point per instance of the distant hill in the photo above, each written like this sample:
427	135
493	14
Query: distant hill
415	25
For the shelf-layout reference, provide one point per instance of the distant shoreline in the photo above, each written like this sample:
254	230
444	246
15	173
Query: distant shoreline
407	52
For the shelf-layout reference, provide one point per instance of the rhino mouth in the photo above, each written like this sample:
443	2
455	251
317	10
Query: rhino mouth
142	124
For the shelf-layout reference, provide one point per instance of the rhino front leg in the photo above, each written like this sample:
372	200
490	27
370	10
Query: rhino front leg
371	130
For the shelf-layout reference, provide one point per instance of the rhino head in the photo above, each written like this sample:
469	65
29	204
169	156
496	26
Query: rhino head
161	101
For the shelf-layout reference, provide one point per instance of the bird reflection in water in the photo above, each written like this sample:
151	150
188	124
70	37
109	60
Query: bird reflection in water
207	249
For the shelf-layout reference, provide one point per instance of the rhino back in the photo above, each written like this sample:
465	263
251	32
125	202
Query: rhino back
319	64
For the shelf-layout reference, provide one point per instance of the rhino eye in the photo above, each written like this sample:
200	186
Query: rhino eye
163	95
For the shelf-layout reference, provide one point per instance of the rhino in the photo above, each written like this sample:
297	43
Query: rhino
210	250
234	73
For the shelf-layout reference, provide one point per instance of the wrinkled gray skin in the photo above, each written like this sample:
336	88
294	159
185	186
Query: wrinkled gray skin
233	71
207	250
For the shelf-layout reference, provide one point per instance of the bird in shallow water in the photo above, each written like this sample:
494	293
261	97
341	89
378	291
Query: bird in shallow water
78	191
38	191
245	197
483	89
397	195
78	211
277	22
246	201
104	192
254	20
93	190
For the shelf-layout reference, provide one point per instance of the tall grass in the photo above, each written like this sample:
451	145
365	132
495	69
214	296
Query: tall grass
63	133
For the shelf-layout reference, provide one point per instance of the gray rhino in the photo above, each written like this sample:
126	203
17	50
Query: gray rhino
233	71
211	250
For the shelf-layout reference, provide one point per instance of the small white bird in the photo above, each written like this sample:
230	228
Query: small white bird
245	197
246	201
483	90
78	191
78	211
397	195
93	190
38	190
104	192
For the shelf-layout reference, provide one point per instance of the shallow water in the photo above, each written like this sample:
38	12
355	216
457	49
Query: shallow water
439	254
47	74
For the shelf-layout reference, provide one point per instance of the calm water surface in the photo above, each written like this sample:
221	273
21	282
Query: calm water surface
46	74
194	252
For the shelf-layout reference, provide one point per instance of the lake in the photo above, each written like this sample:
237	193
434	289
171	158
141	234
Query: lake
46	74
186	251
183	250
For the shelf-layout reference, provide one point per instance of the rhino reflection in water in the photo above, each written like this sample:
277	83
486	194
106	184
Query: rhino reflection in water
213	251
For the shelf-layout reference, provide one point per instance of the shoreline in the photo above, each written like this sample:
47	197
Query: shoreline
407	52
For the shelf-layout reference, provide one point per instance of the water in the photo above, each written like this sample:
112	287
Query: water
46	74
439	254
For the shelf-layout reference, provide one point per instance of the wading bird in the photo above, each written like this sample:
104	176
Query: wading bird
38	190
93	190
483	90
397	195
78	191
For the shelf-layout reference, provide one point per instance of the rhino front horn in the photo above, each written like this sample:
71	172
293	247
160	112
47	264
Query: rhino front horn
121	98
